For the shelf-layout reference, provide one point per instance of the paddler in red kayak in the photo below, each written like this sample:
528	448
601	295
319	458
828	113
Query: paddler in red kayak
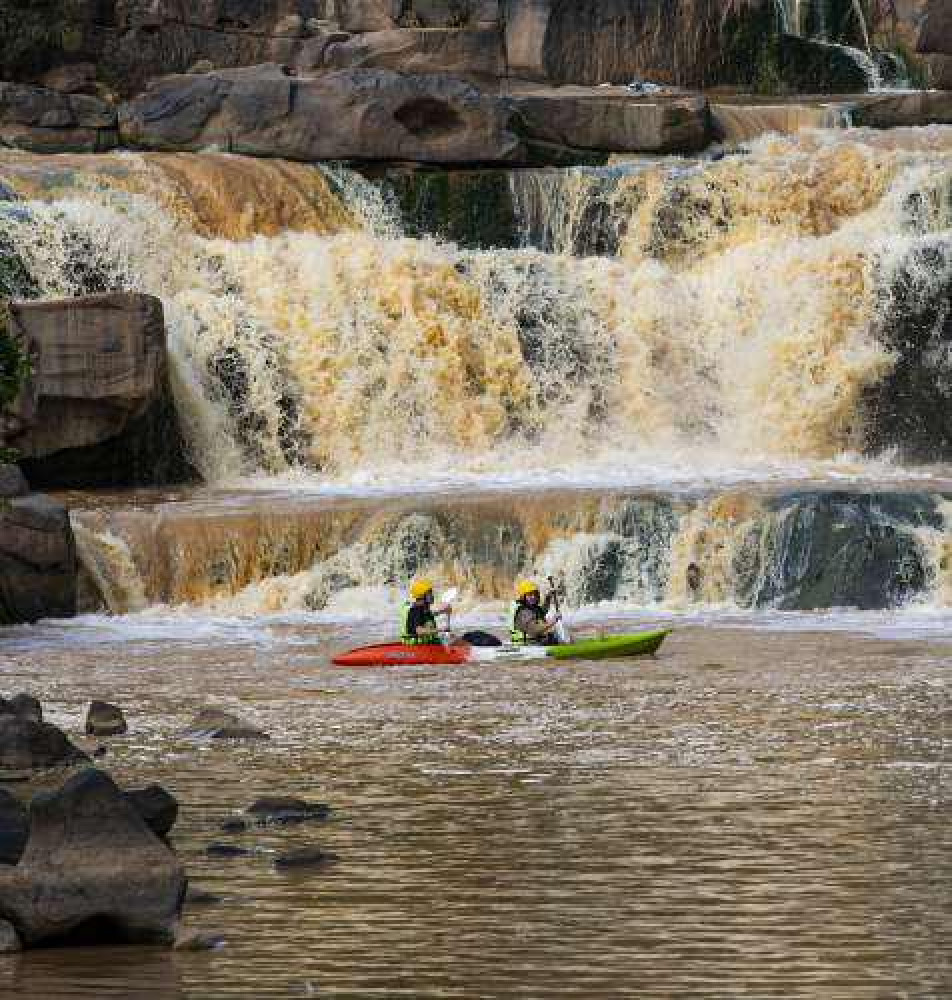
530	617
419	625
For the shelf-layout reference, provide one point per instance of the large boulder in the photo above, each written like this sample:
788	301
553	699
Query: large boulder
92	871
27	745
350	115
47	121
97	410
38	564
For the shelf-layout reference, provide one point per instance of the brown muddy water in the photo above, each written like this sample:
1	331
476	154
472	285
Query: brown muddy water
751	814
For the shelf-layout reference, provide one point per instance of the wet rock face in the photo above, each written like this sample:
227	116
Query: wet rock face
92	871
42	120
29	745
103	719
97	410
38	565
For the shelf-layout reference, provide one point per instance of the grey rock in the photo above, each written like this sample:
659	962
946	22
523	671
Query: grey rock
92	871
38	564
42	120
198	941
196	896
156	806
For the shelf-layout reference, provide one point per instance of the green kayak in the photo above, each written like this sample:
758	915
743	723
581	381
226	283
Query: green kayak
615	646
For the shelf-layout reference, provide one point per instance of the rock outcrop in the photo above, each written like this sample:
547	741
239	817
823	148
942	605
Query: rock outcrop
38	565
92	871
351	115
97	410
42	120
14	828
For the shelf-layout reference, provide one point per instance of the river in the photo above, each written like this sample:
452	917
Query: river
762	810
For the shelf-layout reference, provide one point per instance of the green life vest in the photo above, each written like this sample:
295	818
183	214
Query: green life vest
515	634
405	637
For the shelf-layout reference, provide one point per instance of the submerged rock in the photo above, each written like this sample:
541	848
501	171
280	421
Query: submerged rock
305	857
217	724
196	896
198	941
92	871
26	745
280	810
156	806
104	719
228	851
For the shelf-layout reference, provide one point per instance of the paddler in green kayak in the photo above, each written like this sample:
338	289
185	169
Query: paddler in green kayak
419	626
530	617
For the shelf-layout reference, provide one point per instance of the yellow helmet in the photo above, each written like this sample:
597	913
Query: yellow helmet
527	587
420	588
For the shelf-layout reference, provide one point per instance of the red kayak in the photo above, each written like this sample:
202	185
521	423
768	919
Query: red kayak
396	654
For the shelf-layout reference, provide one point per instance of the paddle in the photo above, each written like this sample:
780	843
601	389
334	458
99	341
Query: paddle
446	599
561	632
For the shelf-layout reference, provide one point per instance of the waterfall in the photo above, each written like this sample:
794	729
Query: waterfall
729	321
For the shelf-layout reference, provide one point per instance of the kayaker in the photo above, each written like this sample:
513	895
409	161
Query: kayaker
530	617
419	625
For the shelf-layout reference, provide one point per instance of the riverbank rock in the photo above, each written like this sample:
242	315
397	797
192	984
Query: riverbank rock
305	857
12	481
38	564
228	851
199	941
104	719
350	115
23	705
97	410
42	120
92	871
196	896
14	828
213	723
156	806
28	745
286	810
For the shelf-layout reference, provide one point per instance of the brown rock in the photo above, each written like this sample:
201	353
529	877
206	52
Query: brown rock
104	719
38	566
474	53
97	410
351	114
73	78
305	857
586	119
915	108
92	871
936	32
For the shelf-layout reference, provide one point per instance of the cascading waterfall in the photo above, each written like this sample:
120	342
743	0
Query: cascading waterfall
665	323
